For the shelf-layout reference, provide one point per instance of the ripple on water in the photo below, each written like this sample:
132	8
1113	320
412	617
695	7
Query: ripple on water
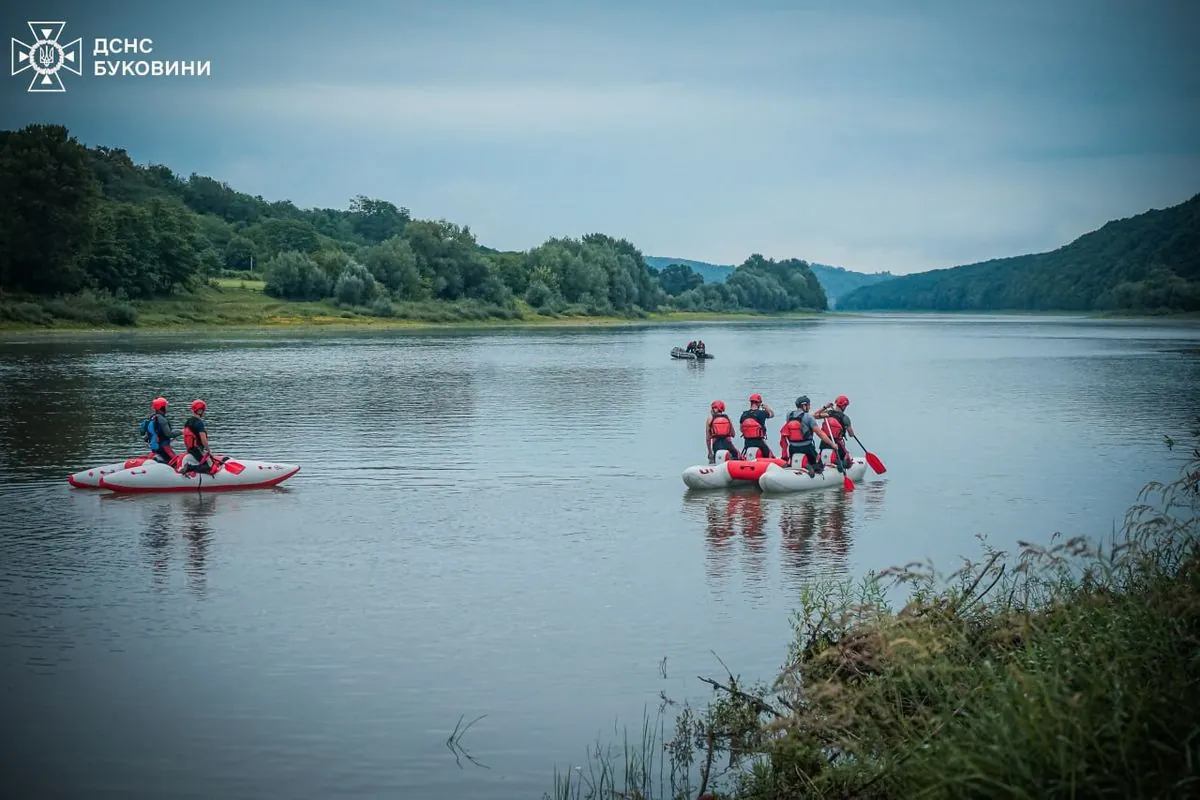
494	524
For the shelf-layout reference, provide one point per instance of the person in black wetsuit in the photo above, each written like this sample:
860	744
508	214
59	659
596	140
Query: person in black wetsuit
195	439
754	427
838	427
718	433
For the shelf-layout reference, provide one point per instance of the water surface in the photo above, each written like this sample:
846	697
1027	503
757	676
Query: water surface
494	523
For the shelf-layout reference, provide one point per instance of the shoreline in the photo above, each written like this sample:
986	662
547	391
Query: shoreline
241	305
298	324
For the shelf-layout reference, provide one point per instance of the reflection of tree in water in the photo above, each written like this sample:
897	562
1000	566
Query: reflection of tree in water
47	411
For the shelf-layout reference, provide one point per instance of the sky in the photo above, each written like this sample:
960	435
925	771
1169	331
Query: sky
859	134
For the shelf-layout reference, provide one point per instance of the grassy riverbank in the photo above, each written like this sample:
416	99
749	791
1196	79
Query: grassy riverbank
224	303
1072	671
237	303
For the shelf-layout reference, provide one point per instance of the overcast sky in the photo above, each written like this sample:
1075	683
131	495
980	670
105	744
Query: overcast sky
857	134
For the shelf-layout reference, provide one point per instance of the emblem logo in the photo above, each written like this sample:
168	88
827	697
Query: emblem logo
46	56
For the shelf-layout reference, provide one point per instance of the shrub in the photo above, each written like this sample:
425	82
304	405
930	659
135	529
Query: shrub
295	276
355	286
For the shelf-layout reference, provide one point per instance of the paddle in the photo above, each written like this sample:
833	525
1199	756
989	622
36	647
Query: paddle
847	484
872	459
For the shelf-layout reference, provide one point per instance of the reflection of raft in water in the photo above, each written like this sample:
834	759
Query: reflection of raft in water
770	474
683	353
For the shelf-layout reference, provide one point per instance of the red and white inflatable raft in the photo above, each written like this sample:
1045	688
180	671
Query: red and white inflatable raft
727	472
90	478
145	474
790	479
769	474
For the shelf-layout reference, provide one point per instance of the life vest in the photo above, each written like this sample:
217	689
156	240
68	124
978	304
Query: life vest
722	426
752	429
796	431
148	428
837	423
191	439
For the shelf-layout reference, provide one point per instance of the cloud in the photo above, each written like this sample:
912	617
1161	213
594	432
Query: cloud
882	137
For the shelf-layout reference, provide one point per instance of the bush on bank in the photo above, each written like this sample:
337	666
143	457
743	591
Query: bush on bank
1071	670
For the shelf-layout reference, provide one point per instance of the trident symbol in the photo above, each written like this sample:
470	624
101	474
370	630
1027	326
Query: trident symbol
45	55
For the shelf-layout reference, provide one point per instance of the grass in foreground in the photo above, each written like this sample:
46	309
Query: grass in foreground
233	302
1072	672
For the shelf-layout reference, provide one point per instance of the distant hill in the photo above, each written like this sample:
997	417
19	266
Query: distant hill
839	281
1149	262
836	281
712	273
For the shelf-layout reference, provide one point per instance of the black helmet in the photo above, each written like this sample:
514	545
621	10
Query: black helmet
801	400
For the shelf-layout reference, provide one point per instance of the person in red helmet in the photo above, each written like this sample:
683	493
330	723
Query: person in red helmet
754	427
195	439
837	425
718	432
156	431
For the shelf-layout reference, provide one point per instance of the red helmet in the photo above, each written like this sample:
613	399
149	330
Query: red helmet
198	406
756	398
159	404
718	405
842	401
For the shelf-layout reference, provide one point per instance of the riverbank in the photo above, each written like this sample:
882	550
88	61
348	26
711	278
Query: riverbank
1068	671
232	303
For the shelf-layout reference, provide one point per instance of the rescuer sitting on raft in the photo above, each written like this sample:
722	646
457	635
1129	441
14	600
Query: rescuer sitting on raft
157	431
718	433
837	425
195	439
797	436
754	427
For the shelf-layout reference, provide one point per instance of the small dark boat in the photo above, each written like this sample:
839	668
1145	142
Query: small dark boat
683	354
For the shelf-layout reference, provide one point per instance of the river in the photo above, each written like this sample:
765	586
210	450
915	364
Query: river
493	523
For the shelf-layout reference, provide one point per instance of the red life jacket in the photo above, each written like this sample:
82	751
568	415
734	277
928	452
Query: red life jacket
752	429
721	425
191	441
796	431
834	429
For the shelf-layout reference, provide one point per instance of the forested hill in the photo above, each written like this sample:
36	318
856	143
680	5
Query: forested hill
836	281
1149	262
88	219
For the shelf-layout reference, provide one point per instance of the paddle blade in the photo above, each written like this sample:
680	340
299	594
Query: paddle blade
876	464
847	483
233	467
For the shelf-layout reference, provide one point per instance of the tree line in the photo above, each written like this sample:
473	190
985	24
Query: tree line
1146	263
78	218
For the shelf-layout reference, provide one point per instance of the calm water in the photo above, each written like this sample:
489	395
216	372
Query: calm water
495	524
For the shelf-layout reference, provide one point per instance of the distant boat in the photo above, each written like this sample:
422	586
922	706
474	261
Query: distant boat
682	353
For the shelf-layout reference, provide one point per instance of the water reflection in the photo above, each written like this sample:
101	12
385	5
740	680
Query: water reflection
198	512
816	531
169	519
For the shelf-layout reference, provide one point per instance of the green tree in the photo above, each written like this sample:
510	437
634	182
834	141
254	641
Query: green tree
240	253
377	220
48	194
